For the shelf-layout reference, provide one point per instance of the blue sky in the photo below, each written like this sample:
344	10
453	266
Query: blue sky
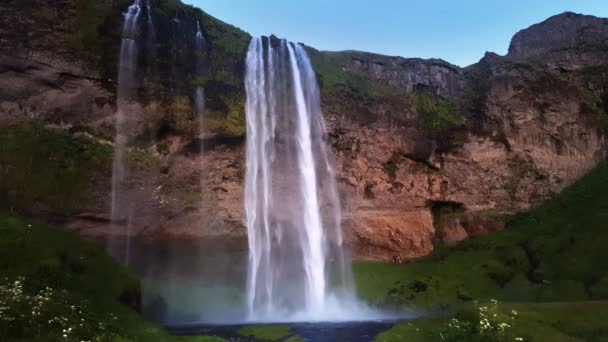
459	31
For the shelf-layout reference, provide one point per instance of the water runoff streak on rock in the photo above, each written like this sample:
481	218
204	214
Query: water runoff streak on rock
126	91
297	267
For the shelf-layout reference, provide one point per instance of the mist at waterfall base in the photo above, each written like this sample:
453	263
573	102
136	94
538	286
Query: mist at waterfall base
292	267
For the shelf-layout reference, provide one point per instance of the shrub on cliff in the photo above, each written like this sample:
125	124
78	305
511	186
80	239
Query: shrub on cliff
435	116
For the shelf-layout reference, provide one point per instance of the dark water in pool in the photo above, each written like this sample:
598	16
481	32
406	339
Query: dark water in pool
312	332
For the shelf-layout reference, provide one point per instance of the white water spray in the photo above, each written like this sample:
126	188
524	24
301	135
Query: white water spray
297	266
126	91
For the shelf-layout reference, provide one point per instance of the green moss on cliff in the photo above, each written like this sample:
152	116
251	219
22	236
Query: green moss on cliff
50	172
435	115
180	117
351	95
77	29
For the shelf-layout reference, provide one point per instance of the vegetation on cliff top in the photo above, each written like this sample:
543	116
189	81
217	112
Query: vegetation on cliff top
89	32
351	95
435	116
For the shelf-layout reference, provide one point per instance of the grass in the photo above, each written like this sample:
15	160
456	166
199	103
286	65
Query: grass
265	332
556	252
550	264
580	321
88	288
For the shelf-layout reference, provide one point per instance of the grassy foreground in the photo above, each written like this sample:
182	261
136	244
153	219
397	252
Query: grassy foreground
55	286
550	266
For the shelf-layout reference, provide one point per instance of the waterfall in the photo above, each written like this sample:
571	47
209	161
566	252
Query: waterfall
297	266
126	91
199	38
151	40
199	92
149	14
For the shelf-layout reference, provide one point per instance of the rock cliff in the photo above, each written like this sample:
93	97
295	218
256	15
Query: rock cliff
567	39
426	152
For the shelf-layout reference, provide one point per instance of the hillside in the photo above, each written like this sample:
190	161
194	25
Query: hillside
427	153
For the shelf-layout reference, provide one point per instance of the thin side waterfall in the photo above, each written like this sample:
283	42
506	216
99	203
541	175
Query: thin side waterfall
149	14
126	91
200	39
150	40
199	92
298	269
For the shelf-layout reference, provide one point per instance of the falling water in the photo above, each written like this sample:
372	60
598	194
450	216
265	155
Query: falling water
151	38
149	14
120	210
199	38
297	266
199	92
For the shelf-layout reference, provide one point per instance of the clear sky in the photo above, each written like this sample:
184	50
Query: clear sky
458	31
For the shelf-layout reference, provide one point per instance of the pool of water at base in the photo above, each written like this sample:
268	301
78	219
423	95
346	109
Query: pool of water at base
364	331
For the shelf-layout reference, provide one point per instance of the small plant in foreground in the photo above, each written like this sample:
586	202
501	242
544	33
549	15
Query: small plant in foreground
27	312
489	325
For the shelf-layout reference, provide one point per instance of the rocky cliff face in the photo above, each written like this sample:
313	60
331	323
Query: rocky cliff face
426	152
568	39
440	77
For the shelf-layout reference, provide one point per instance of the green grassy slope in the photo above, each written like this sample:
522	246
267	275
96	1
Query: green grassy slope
556	322
554	253
550	265
54	283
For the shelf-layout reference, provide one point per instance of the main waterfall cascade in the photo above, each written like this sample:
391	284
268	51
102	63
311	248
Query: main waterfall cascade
126	91
297	266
